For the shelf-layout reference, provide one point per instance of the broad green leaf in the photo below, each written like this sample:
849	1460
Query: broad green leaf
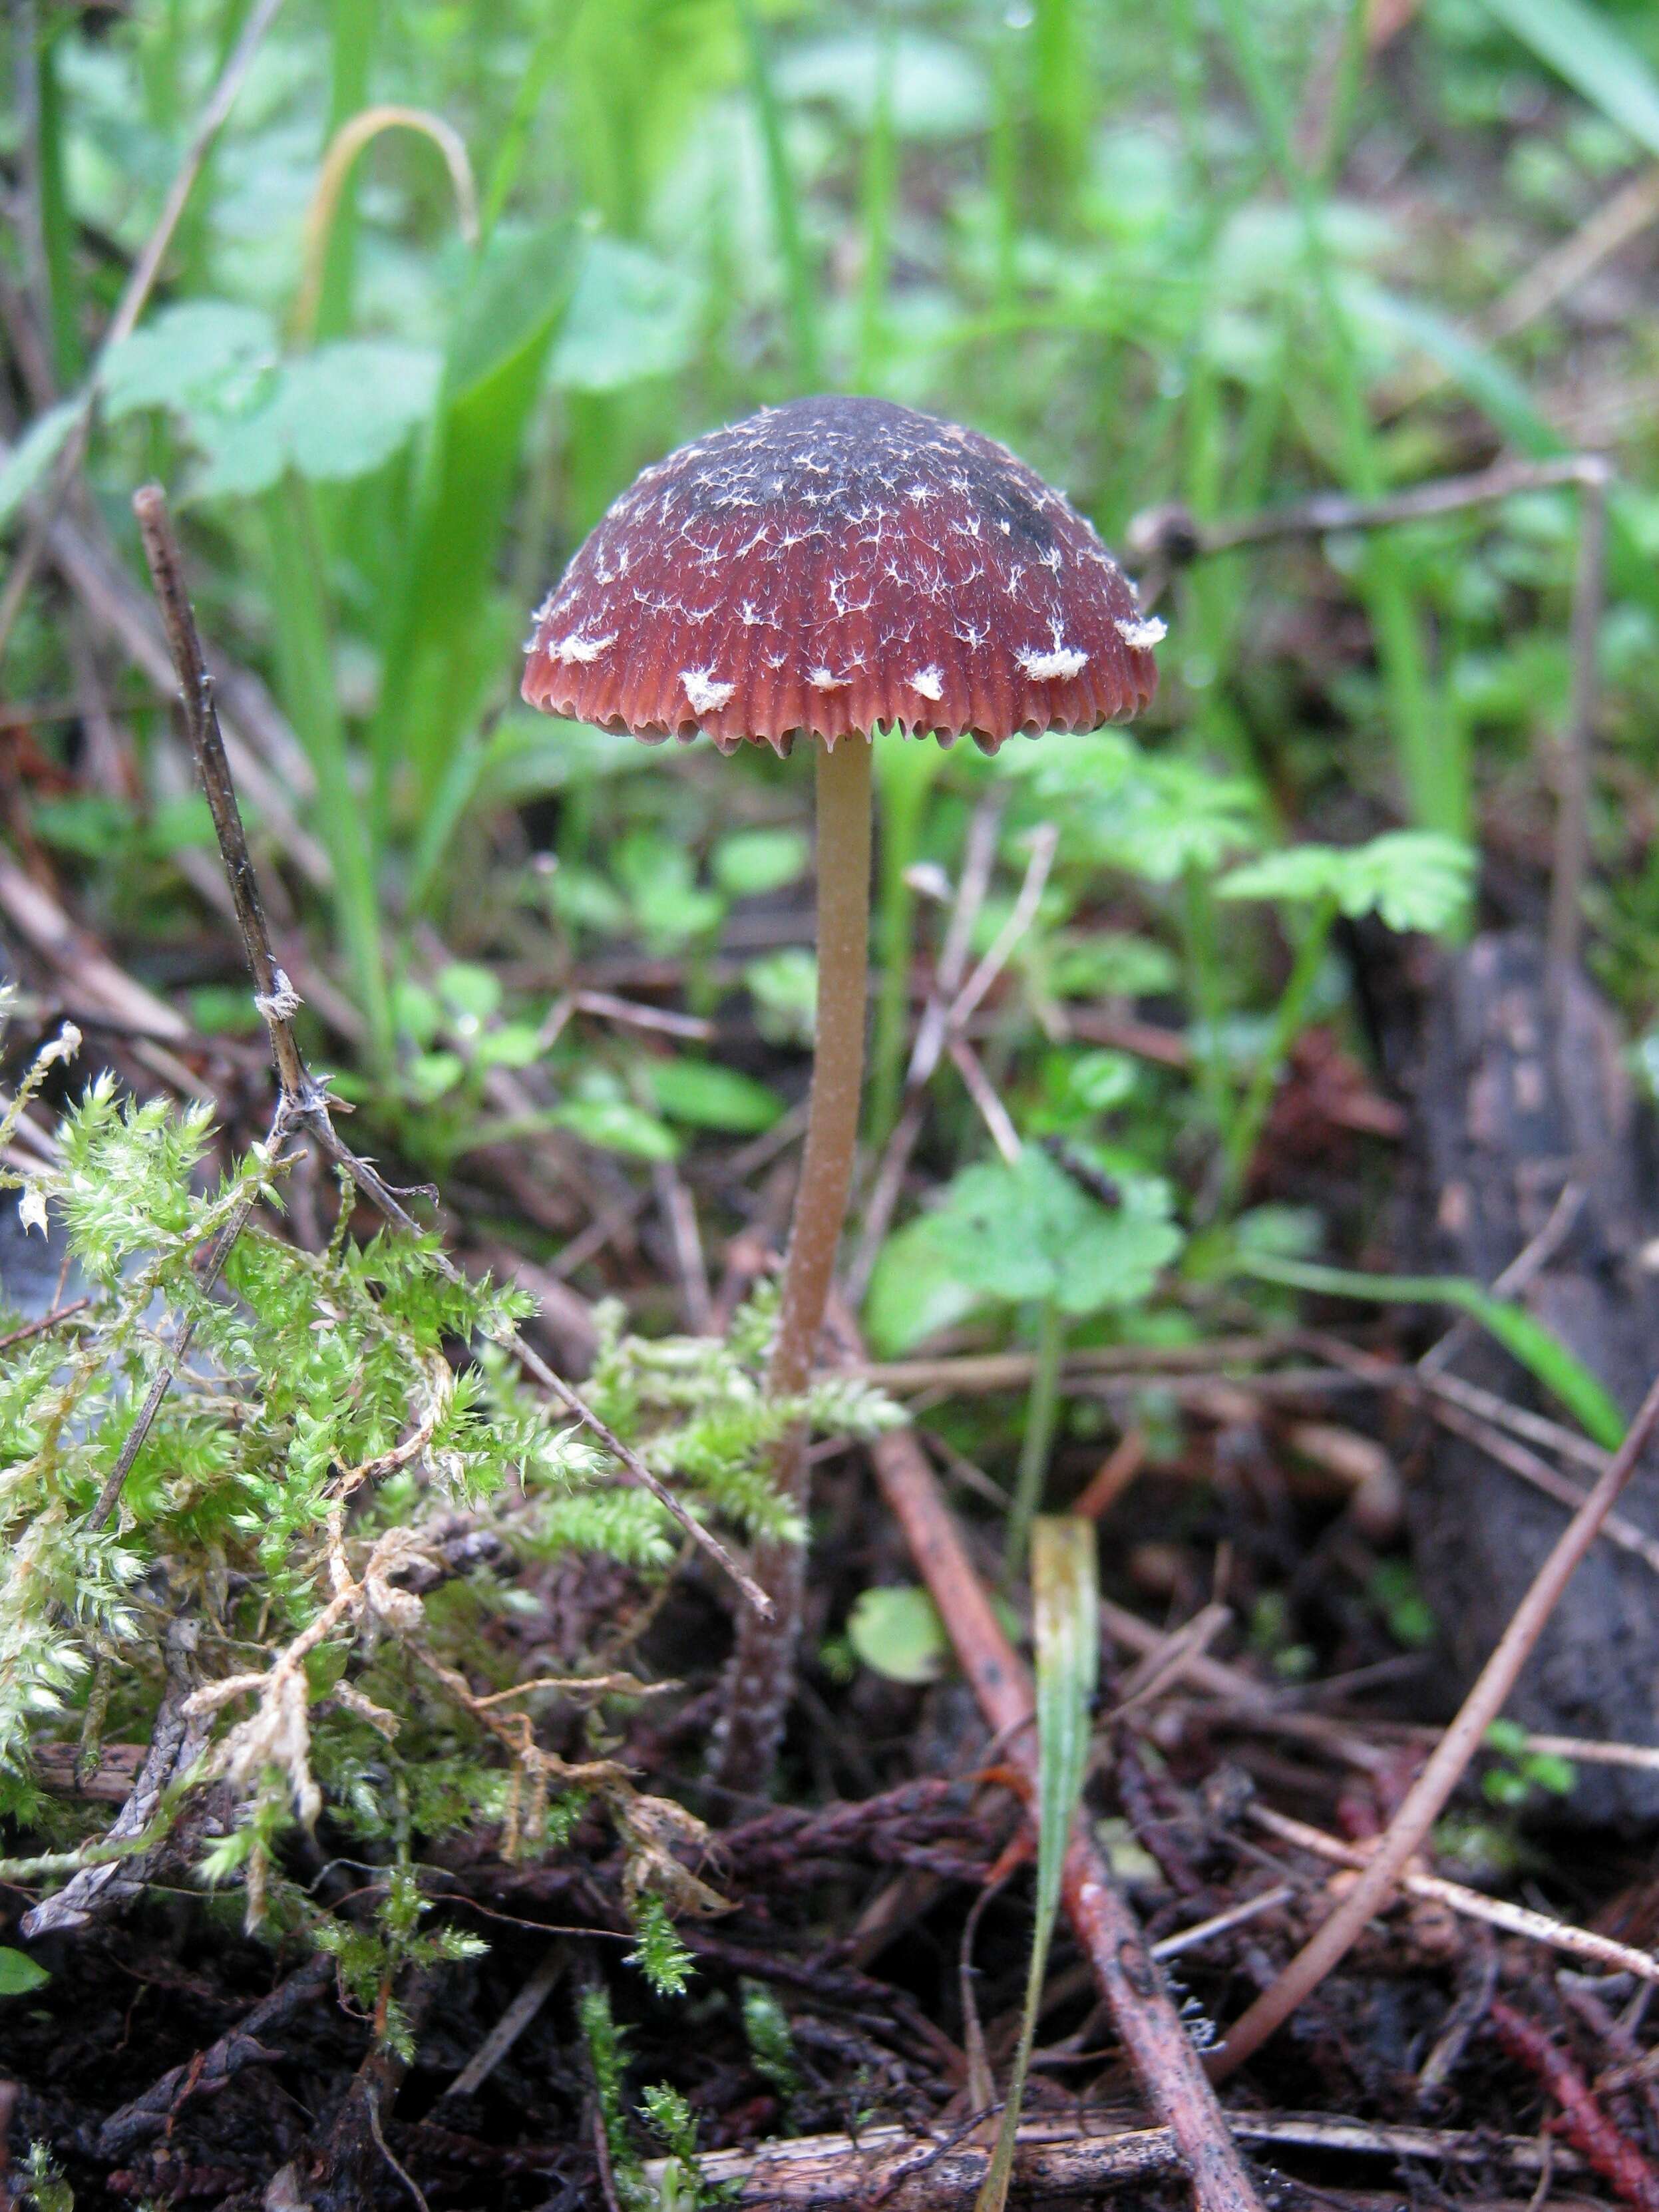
1413	878
1066	1620
1029	1231
937	88
1527	1341
915	1292
615	1125
705	1095
751	862
897	1632
205	354
33	455
471	991
19	1974
333	415
631	315
784	986
348	407
530	755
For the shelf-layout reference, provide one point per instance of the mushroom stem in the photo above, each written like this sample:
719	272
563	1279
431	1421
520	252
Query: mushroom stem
762	1670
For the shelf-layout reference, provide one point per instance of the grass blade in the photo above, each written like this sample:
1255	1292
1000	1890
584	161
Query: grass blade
1065	1602
446	641
1595	58
786	205
1527	1341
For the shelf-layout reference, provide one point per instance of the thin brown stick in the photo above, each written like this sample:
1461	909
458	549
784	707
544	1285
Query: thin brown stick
1603	1951
1423	1803
1172	535
306	1101
1169	2068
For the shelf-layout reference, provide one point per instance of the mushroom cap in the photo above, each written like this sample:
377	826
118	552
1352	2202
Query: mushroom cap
836	565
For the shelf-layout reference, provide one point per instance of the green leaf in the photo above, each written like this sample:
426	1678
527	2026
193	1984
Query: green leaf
1065	1609
705	1095
915	1292
631	315
784	986
1029	1231
348	407
20	1974
1413	878
896	1632
1525	1340
33	455
333	415
936	89
472	992
1153	815
200	353
615	1125
751	862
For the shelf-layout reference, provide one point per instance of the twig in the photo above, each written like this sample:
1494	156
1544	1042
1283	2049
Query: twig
1173	535
1405	1832
904	2172
1586	2126
509	2028
44	1322
216	2067
1166	2064
305	1101
978	1087
1601	1951
177	1742
1615	1529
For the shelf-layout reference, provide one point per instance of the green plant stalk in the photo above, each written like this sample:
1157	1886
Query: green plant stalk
532	89
306	678
878	191
1204	987
1435	777
1003	174
1066	1621
1063	98
354	34
57	224
1042	1413
786	205
1292	1011
906	770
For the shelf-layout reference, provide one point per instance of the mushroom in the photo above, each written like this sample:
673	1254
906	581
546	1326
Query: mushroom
823	570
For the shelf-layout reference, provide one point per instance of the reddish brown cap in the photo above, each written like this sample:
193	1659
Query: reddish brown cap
833	566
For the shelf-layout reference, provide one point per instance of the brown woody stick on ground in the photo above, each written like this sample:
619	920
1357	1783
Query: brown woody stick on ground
1408	1831
1168	2067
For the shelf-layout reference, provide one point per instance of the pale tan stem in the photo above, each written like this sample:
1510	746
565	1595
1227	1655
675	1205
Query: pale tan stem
761	1671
